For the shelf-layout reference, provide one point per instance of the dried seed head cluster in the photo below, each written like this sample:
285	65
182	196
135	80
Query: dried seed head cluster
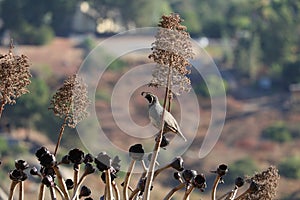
179	83
172	48
267	182
71	101
14	77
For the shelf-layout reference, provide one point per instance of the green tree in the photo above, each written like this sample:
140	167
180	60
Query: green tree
277	132
242	167
188	12
290	167
31	110
32	19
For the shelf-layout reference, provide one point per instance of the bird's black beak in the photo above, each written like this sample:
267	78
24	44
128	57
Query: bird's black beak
148	96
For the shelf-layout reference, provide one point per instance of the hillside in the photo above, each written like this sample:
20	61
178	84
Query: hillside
241	138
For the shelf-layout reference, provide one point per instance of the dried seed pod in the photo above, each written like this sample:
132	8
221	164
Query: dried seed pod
177	164
41	151
188	175
21	165
76	156
34	171
71	101
103	161
199	182
69	183
171	49
84	192
17	175
14	76
239	181
136	152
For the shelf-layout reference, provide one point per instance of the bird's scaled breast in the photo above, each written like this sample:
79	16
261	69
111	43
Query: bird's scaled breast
155	114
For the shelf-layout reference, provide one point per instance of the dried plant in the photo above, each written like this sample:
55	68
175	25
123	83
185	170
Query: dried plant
70	102
267	182
171	51
14	77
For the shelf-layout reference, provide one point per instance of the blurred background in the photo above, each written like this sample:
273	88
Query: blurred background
255	44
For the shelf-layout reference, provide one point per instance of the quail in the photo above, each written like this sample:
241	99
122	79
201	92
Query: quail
155	115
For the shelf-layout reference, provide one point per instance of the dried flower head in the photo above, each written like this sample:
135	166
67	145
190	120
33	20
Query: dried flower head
71	101
14	77
267	182
171	49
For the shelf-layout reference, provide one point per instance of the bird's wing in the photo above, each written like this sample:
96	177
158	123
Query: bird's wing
171	122
172	125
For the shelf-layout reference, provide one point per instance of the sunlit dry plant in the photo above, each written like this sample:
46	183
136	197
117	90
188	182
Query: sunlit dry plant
70	102
172	49
266	184
14	77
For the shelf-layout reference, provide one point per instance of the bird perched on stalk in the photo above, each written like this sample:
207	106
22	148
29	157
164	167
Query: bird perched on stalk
155	115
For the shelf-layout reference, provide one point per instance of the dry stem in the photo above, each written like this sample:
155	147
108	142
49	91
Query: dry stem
116	189
61	183
133	194
158	171
213	193
127	179
12	189
188	192
52	193
61	132
2	107
109	195
42	192
229	195
243	194
21	190
175	189
150	173
61	194
76	177
82	178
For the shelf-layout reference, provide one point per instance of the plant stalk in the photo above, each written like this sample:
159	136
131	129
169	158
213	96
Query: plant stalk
61	183
133	194
13	185
41	192
61	132
76	177
109	195
216	182
116	190
52	193
158	171
243	194
21	190
188	192
2	107
82	178
150	173
127	179
172	192
170	96
61	194
229	195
